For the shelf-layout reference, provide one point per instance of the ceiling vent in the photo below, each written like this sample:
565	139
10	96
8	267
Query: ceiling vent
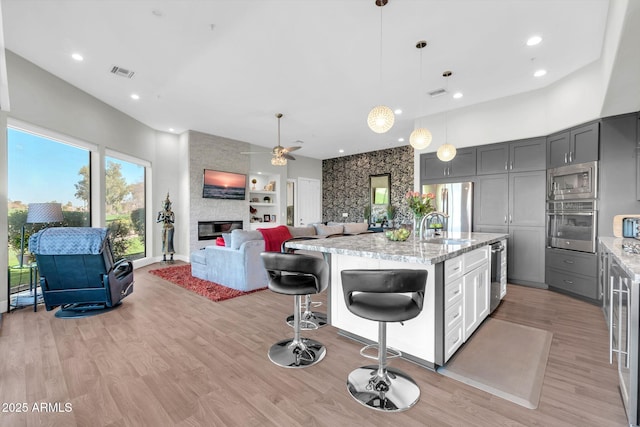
122	72
437	92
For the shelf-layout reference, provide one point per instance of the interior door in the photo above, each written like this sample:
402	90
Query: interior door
309	206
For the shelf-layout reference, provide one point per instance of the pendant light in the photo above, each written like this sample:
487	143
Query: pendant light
420	138
446	152
381	117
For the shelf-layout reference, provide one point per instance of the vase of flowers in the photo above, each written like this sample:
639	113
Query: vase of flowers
420	205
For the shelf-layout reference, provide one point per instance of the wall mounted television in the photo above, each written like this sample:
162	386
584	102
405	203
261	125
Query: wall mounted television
224	185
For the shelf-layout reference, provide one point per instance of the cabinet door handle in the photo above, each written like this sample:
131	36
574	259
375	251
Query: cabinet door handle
611	282
511	165
510	218
568	261
568	282
565	157
444	172
505	166
570	156
505	219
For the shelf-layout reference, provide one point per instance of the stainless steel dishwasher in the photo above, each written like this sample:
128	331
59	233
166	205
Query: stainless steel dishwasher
498	273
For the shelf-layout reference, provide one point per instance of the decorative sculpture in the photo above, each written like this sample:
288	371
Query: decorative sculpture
167	218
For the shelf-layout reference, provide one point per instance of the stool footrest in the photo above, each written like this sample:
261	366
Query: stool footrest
392	353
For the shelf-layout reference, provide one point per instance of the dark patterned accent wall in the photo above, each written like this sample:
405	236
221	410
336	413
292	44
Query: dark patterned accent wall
345	183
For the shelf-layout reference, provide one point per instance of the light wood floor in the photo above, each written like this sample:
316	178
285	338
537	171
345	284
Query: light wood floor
170	357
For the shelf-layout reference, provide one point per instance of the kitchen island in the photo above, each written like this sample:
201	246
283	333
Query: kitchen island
456	296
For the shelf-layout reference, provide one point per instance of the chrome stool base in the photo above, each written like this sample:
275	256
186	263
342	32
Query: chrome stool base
309	320
394	391
290	354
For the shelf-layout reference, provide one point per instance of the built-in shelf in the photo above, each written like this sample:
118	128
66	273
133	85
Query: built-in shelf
264	209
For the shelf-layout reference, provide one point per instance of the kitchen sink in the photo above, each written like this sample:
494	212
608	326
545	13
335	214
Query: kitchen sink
447	241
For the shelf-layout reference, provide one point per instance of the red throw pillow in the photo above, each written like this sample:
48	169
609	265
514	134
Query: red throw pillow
273	237
219	241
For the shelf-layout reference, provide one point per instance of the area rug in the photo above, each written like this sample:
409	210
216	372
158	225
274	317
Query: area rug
505	359
181	275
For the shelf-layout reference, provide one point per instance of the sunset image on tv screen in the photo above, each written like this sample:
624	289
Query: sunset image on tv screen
224	185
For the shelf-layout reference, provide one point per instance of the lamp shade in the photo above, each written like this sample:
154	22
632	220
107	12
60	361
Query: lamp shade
278	161
420	138
446	152
44	212
380	119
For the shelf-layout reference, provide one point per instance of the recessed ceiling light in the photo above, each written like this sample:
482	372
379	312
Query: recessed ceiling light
341	151
135	96
540	73
400	139
171	129
397	111
457	95
534	40
77	57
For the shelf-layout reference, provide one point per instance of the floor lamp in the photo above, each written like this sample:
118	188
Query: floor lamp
40	213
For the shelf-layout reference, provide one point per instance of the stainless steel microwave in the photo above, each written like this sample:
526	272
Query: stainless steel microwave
578	181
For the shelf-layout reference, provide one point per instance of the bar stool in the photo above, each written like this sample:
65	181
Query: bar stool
297	275
381	295
309	319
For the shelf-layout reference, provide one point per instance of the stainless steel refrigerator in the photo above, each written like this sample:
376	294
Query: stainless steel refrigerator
456	200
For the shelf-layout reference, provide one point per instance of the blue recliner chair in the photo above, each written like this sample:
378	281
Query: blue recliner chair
78	272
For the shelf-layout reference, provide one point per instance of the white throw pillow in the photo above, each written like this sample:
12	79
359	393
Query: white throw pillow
355	227
325	230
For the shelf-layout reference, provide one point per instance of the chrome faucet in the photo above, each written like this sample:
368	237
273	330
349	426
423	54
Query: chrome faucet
425	220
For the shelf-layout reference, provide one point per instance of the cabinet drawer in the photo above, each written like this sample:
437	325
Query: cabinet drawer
475	259
575	283
453	268
452	316
453	293
574	262
453	340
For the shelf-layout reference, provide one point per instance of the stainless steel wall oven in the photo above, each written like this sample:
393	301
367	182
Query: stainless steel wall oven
572	225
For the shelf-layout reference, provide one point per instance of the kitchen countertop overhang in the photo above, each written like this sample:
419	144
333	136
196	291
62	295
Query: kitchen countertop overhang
377	246
629	262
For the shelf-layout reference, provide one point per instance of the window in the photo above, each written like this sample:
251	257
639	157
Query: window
43	169
125	206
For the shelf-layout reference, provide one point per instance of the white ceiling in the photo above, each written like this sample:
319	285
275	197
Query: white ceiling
226	67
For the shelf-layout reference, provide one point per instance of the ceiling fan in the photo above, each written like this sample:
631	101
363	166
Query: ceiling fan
280	153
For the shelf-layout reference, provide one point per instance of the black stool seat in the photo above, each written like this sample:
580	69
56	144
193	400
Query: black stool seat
297	275
384	296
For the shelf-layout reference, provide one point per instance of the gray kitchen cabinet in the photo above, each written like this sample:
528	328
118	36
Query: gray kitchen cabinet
527	198
516	156
618	170
510	199
577	145
525	255
527	155
491	200
463	164
573	272
514	203
492	158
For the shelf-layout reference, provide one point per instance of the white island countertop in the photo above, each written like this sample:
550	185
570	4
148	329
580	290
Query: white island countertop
377	246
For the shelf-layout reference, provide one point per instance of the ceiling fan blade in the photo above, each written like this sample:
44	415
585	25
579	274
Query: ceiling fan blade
288	156
290	149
